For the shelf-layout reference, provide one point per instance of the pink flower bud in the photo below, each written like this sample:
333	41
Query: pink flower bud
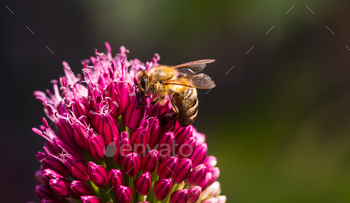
210	200
115	178
61	186
79	135
95	144
210	161
179	196
106	126
140	137
200	137
90	199
43	191
221	199
162	188
50	174
123	194
154	131
79	188
212	190
78	169
131	164
199	154
166	167
55	165
39	177
149	161
206	181
123	147
193	194
182	133
98	174
165	144
143	184
196	176
182	170
215	172
186	148
118	92
132	116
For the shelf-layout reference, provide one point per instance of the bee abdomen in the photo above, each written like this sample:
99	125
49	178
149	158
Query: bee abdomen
188	106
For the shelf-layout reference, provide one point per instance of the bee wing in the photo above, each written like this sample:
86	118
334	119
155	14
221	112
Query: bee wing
199	81
193	67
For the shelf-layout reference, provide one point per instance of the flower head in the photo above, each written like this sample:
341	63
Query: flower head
108	144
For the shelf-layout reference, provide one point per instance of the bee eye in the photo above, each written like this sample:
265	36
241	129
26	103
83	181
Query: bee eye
161	82
143	83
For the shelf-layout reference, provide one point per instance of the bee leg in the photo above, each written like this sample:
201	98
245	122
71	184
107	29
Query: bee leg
155	100
173	104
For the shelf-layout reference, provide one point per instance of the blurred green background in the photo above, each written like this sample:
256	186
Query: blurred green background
278	121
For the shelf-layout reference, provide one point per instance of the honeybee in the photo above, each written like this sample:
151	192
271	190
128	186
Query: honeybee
180	83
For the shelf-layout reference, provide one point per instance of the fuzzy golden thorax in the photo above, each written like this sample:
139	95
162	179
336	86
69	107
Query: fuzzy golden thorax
157	78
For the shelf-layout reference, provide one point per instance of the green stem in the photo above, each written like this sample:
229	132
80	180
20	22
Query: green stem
175	187
121	123
95	188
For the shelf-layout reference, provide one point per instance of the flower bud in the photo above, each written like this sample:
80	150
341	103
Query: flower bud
212	190
49	174
199	154
221	199
48	200
115	178
61	186
193	194
182	170
210	200
79	188
79	135
182	133
123	147
154	131
179	196
149	161
118	92
200	137
43	191
90	199
196	176
140	137
162	188
98	174
210	161
132	116
206	181
78	169
95	144
39	177
186	148
143	184
56	165
131	164
123	194
166	167
106	126
215	172
166	144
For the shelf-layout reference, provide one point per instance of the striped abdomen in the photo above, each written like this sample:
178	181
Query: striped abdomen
187	103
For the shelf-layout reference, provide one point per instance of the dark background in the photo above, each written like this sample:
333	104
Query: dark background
278	121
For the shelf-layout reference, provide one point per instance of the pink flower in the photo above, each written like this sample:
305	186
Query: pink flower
103	146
